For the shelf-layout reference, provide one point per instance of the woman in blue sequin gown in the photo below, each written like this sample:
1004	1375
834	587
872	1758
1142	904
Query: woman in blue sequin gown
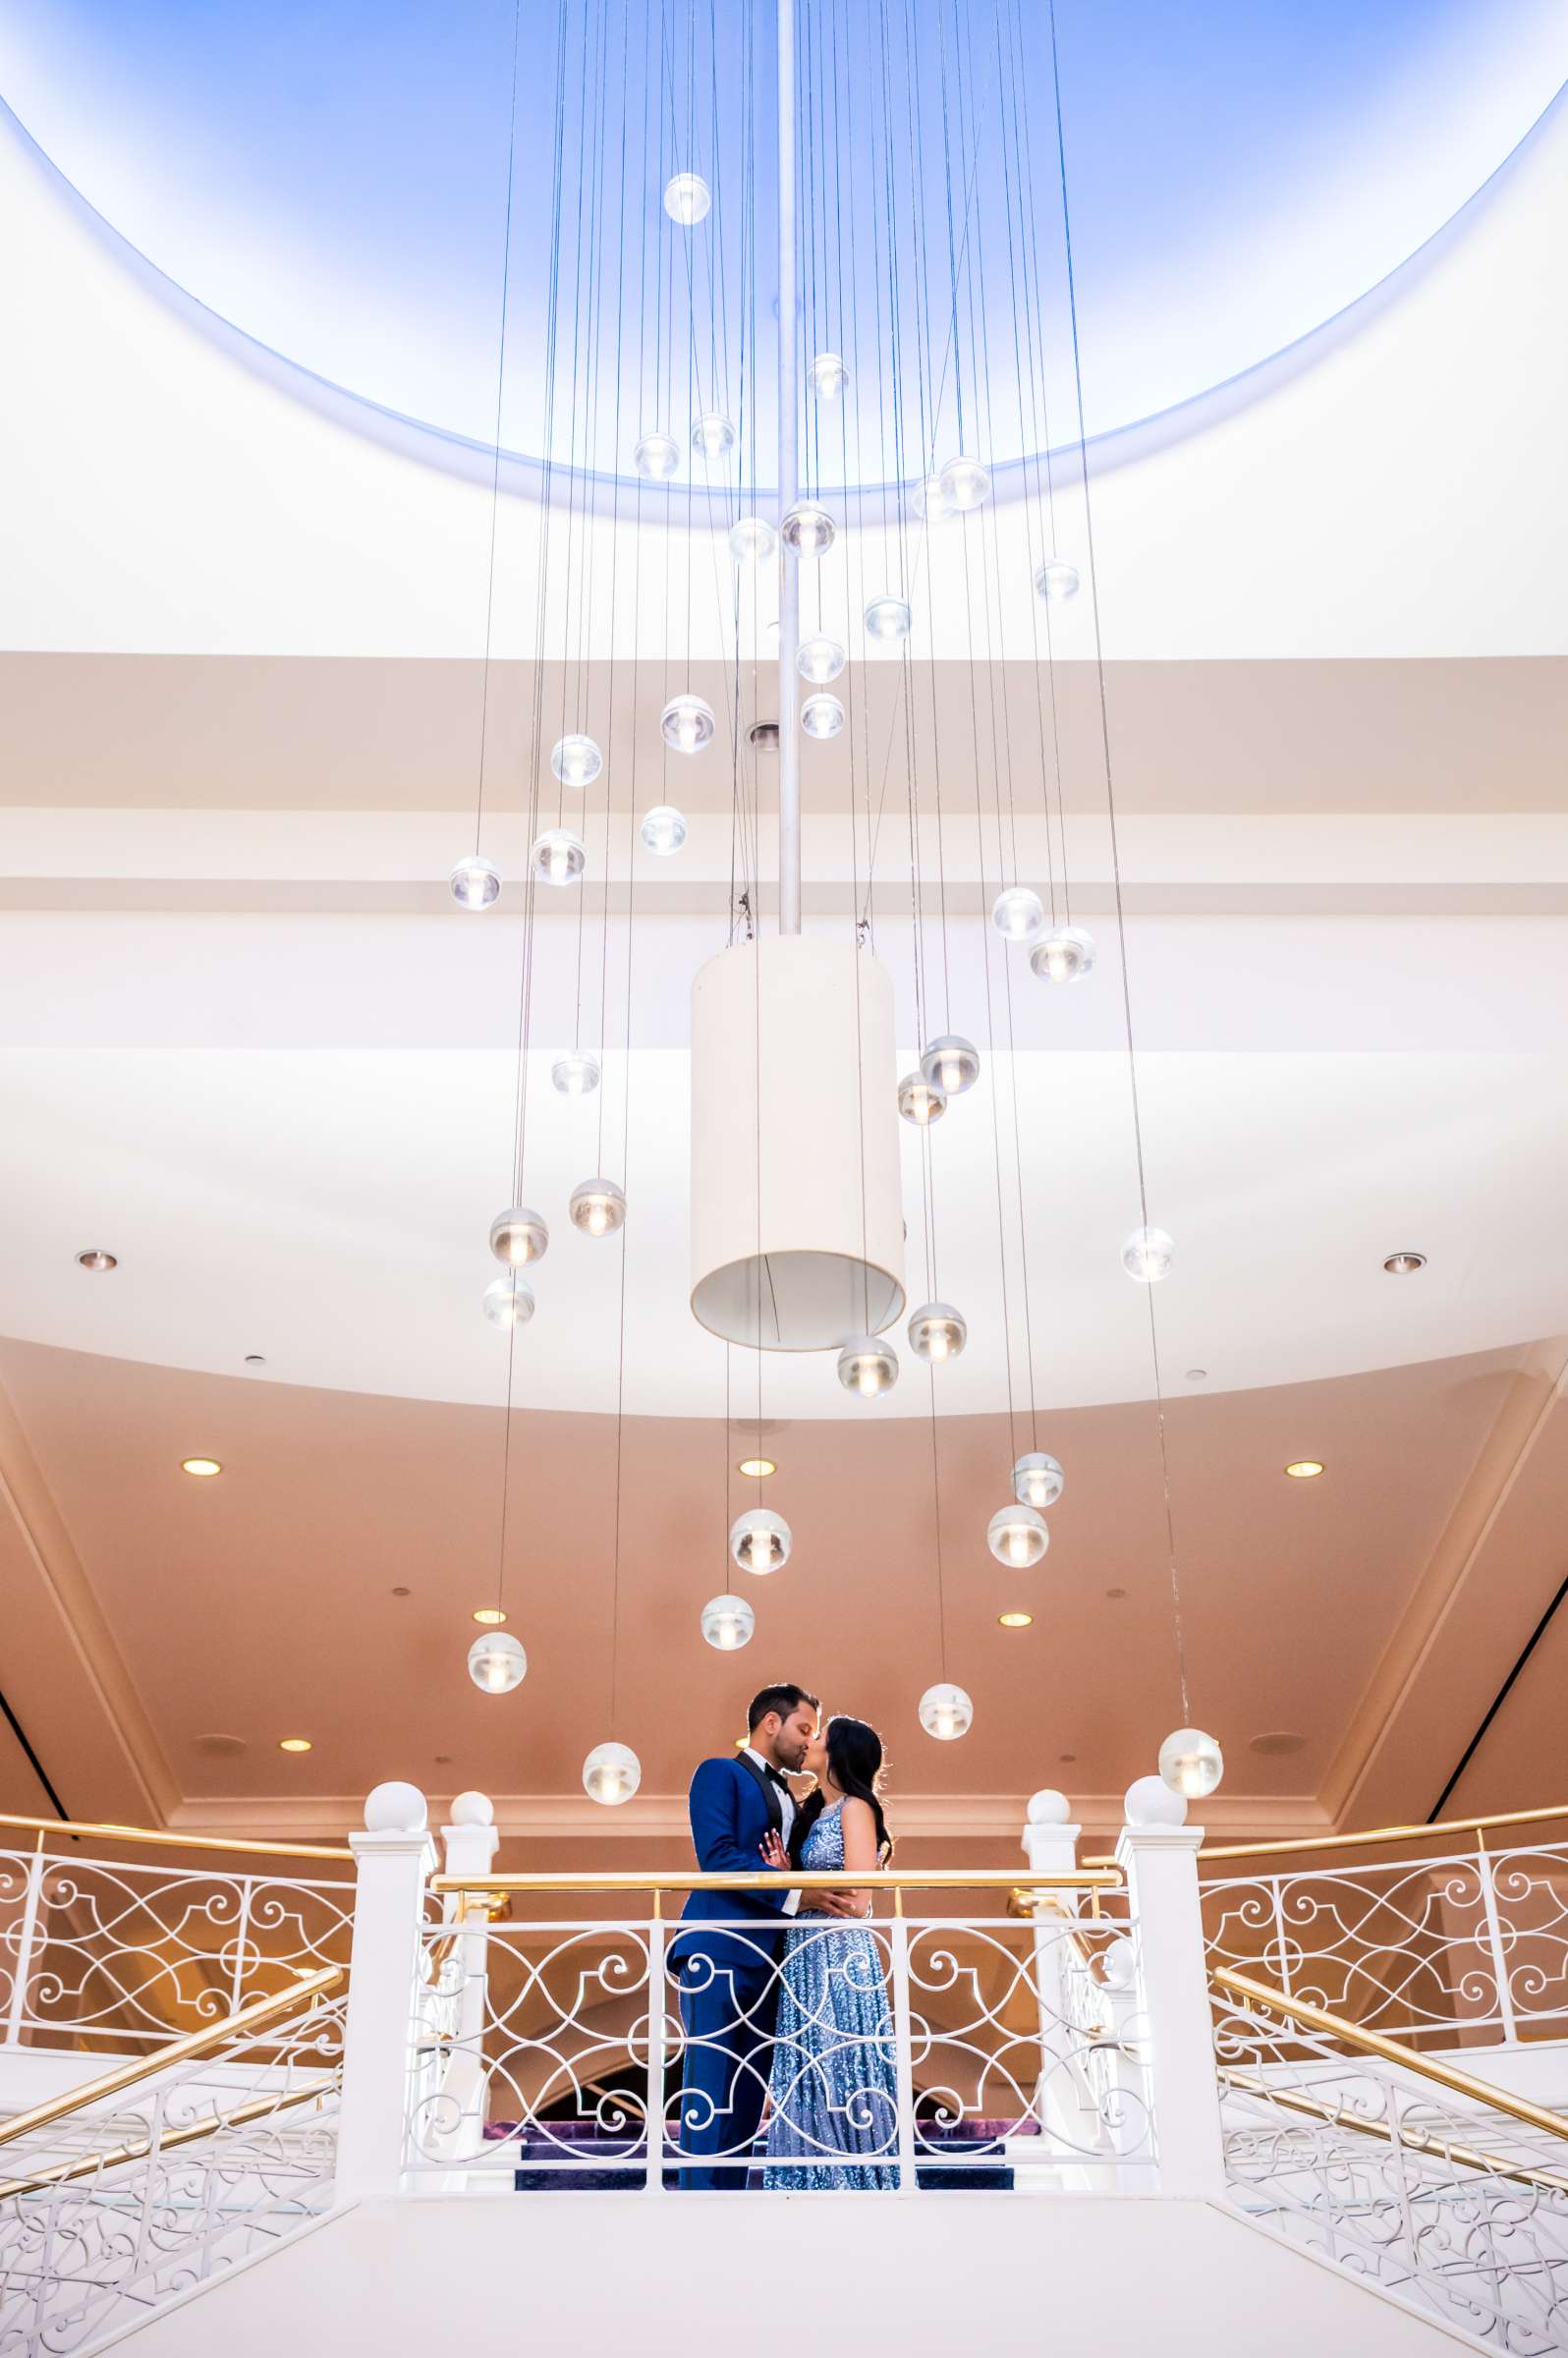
834	2121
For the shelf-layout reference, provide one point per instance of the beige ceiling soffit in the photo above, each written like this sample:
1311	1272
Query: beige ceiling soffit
81	1627
1501	1464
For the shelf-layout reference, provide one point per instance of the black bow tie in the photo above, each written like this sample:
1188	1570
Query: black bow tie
774	1776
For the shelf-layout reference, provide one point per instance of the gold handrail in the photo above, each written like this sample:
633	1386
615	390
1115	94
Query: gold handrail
1390	2051
261	2011
186	2134
1297	2100
1376	1833
144	1834
878	1879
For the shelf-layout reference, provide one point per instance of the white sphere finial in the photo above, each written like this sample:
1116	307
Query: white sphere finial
396	1809
1151	1802
471	1809
1048	1806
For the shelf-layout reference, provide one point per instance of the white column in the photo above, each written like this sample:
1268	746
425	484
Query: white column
394	1855
1050	1845
470	1842
1158	1852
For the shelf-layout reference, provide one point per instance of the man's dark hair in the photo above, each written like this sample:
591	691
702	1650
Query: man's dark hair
781	1699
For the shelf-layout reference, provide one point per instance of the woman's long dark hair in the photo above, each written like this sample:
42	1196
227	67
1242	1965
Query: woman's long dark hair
855	1763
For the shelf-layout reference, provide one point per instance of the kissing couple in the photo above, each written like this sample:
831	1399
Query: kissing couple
783	2000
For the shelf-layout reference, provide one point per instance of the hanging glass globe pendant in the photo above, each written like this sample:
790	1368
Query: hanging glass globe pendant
519	1236
965	483
559	858
888	621
753	540
688	198
952	1062
1192	1764
822	715
598	1206
921	1102
938	1332
576	1075
1063	955
612	1773
497	1662
1016	1536
946	1712
577	761
657	458
685	724
819	660
829	376
868	1366
759	1540
931	501
712	436
807	530
1056	580
1037	1481
474	882
1017	914
508	1301
663	831
1147	1255
728	1622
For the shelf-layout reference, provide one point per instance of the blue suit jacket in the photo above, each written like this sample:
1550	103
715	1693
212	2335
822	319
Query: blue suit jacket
731	1811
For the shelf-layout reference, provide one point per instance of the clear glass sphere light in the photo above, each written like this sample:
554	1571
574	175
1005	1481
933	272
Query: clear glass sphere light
1056	580
598	1206
808	529
612	1773
822	715
946	1712
921	1102
663	831
1065	954
1017	914
753	540
713	435
656	457
559	858
868	1366
519	1236
828	375
474	882
1037	1481
685	724
929	500
688	198
965	483
819	660
938	1332
1192	1764
728	1622
888	621
508	1301
1147	1255
576	759
1016	1536
952	1062
576	1075
759	1540
497	1662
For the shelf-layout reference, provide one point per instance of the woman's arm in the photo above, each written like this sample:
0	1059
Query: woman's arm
860	1848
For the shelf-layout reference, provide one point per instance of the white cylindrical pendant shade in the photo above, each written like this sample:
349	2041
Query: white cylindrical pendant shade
797	1212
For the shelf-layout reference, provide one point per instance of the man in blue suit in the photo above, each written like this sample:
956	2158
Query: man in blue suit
729	1978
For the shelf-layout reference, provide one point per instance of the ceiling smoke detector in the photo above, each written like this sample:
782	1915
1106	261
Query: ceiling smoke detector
764	736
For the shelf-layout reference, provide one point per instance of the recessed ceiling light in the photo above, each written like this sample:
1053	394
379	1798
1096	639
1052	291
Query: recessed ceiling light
255	1359
200	1466
490	1616
1278	1743
765	733
759	1467
1117	1595
97	1258
294	1743
1405	1264
443	1760
1066	1755
1196	1374
1302	1469
1015	1620
403	1591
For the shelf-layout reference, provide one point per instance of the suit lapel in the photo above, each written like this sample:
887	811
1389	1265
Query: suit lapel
770	1793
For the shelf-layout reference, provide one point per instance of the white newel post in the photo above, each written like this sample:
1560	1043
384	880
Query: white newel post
1050	1845
394	1856
469	1842
1158	1853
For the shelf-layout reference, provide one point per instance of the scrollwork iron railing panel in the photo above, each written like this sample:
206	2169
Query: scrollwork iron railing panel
1360	2161
1470	1947
908	2047
116	1954
218	2159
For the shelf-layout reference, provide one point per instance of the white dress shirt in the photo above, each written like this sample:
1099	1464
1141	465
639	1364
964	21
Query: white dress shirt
792	1900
